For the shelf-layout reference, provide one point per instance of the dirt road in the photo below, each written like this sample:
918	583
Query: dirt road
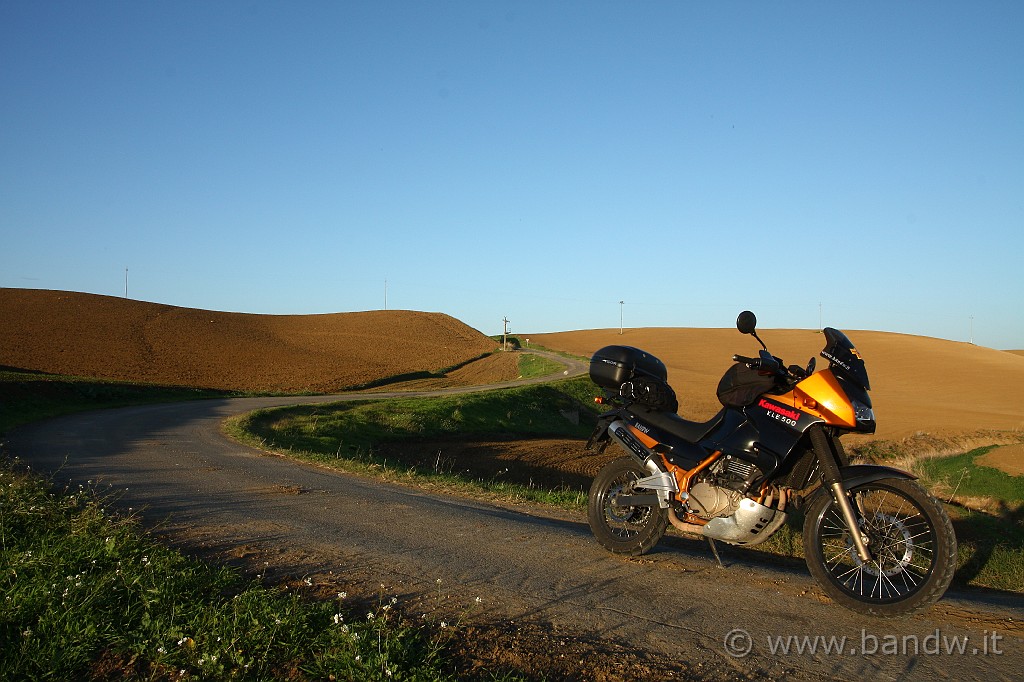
534	570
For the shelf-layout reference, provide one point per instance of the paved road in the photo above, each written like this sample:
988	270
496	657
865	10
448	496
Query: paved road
527	565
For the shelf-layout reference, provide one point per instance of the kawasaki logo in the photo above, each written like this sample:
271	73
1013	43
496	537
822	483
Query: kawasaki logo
779	410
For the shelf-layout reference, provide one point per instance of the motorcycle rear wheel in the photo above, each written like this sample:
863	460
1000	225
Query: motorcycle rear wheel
630	530
910	538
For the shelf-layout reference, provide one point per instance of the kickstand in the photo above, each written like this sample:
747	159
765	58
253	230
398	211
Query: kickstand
714	550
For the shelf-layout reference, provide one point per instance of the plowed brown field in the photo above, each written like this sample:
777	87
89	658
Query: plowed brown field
115	338
919	384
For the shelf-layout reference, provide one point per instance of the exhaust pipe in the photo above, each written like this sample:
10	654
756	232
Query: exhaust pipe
679	524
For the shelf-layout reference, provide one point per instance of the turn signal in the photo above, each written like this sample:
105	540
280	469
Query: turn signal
599	400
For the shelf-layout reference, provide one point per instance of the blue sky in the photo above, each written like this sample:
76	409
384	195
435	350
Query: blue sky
535	160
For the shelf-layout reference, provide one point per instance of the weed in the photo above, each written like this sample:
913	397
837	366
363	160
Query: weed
86	594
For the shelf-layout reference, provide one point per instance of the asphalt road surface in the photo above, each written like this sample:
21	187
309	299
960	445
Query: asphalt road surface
528	565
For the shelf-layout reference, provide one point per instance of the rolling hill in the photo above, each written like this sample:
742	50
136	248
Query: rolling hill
122	339
919	384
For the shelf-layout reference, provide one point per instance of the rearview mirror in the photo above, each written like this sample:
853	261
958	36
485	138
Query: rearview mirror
746	322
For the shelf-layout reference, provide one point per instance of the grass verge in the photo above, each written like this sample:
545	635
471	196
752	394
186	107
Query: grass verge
347	435
531	366
987	508
86	595
961	477
30	396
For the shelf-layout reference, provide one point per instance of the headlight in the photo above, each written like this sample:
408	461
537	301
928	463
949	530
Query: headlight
865	417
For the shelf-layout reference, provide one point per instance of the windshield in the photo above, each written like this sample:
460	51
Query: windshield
844	358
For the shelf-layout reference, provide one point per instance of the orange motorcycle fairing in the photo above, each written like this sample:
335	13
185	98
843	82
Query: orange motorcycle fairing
821	395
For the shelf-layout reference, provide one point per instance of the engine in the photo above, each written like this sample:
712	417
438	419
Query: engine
719	492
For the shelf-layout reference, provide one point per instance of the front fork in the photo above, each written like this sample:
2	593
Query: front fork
828	459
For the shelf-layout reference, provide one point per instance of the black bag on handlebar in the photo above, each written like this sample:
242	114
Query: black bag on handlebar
741	385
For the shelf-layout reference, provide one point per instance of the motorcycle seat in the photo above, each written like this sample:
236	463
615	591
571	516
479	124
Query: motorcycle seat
676	425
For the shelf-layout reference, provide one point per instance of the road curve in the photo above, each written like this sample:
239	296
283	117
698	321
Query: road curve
172	464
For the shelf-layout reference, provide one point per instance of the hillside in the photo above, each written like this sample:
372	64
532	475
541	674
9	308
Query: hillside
115	338
918	383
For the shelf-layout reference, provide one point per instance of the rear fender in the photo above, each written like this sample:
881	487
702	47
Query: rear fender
600	437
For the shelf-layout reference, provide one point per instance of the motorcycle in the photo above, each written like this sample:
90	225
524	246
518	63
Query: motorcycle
875	540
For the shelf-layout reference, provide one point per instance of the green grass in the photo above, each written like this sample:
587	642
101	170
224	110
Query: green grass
512	412
30	396
86	595
991	549
989	519
348	435
962	474
531	366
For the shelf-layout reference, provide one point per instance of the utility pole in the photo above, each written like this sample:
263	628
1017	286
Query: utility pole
126	282
385	294
621	303
504	334
972	330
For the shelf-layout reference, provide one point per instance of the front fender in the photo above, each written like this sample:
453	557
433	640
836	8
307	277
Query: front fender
859	474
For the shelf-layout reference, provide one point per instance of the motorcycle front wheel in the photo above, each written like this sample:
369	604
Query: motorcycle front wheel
629	530
910	538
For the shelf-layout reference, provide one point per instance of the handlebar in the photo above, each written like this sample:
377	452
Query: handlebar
771	364
766	362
